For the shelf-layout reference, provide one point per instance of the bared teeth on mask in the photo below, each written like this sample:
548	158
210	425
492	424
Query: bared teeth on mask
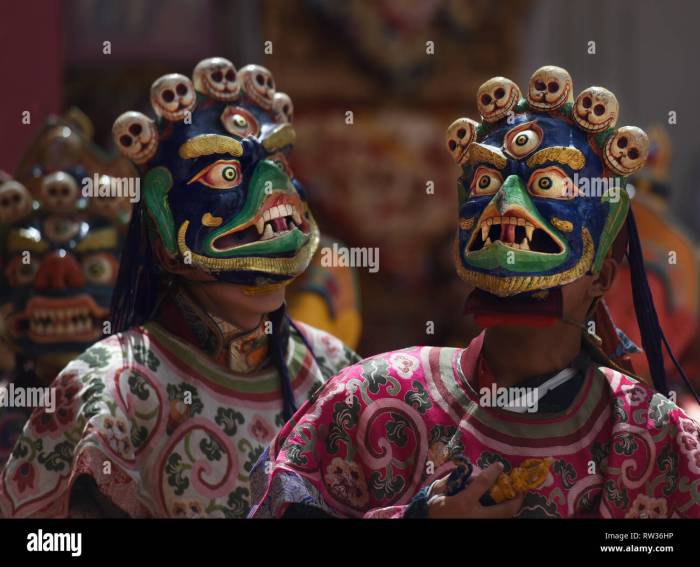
260	225
267	234
529	229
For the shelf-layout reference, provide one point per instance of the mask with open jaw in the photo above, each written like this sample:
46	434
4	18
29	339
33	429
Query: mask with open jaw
540	206
60	266
220	198
59	248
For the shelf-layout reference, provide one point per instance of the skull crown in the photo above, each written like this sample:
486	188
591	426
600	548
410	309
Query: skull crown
175	97
57	192
550	90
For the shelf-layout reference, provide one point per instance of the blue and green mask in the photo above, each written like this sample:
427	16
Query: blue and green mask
218	193
542	195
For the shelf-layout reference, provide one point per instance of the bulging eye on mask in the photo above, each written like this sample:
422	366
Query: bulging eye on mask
219	195
542	193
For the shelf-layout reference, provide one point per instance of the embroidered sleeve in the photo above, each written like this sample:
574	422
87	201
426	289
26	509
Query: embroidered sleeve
330	353
358	450
686	497
85	433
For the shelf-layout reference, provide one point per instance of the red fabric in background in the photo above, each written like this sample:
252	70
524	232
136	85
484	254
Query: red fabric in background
31	62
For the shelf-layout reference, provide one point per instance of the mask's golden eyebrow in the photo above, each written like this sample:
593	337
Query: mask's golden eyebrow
560	154
209	144
479	153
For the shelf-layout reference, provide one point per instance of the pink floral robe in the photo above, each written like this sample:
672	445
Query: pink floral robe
386	427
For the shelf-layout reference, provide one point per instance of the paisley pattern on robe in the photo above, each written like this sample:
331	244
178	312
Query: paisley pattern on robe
162	429
386	427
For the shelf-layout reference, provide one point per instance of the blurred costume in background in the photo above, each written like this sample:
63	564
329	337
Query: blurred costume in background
388	35
672	267
327	295
597	441
60	258
168	416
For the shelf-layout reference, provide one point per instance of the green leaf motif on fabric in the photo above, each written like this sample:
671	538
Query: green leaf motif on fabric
229	420
94	390
619	412
175	469
238	502
279	420
211	448
615	494
566	472
253	456
625	444
667	462
25	445
295	454
374	373
344	418
386	488
396	429
146	357
589	501
138	435
138	386
60	458
96	357
418	398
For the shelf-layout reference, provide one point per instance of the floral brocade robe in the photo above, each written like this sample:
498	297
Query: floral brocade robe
386	427
162	429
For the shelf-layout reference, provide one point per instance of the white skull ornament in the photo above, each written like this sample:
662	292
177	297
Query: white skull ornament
258	85
136	136
217	77
496	98
460	134
549	88
58	192
15	202
283	108
626	151
596	109
173	97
